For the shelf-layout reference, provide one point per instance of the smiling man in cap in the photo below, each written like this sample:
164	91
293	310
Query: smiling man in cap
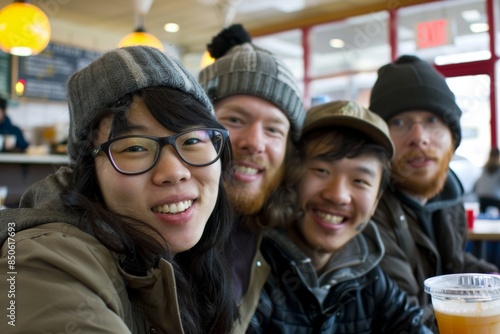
325	276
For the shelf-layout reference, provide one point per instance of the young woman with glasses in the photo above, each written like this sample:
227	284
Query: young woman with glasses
129	239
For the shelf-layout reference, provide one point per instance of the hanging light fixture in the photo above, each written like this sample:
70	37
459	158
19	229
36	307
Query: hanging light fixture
206	60
24	29
140	36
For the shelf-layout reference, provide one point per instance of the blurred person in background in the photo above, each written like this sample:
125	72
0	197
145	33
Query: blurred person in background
487	186
12	137
421	216
256	98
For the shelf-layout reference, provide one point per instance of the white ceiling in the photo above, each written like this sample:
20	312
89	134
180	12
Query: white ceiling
100	24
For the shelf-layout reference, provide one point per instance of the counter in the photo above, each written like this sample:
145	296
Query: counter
19	158
18	171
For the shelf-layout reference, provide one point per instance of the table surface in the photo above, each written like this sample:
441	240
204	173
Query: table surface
22	158
485	229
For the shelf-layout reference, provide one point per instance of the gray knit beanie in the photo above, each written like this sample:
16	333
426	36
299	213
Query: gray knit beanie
243	68
116	74
410	83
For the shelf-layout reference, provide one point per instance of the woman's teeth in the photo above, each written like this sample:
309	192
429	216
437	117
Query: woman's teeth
173	208
331	218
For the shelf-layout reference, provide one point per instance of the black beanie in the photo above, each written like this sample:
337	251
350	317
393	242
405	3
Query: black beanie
410	83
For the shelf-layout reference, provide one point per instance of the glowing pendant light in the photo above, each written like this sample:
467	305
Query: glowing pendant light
206	60
24	29
227	11
140	36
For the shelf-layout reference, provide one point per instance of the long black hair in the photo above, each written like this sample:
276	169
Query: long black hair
203	277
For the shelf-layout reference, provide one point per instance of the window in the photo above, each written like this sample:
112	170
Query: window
356	44
288	46
472	95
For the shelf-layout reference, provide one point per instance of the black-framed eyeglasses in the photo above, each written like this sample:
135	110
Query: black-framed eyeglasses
137	154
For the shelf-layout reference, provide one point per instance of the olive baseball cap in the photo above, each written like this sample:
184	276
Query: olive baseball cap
351	115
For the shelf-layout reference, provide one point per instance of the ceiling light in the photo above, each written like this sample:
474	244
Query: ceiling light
140	37
337	43
479	27
24	29
171	27
471	15
206	60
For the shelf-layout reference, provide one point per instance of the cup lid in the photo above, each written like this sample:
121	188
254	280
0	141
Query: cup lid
464	286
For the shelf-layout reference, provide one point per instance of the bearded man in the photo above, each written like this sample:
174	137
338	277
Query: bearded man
421	217
256	97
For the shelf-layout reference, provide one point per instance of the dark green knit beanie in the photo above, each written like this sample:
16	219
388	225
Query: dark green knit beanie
410	83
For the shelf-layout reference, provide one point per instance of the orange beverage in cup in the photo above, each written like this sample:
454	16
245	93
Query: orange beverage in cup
466	303
467	324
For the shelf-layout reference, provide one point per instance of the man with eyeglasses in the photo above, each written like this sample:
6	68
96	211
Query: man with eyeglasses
421	216
257	99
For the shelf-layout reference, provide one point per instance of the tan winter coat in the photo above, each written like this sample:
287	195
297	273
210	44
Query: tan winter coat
55	278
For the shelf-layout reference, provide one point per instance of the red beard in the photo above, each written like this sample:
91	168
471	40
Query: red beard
243	203
415	182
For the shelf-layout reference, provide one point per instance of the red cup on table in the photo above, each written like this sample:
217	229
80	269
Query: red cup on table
469	213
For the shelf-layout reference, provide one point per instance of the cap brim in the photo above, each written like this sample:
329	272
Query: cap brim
354	123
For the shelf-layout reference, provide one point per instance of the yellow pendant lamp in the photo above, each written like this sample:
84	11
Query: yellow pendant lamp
140	37
206	60
24	29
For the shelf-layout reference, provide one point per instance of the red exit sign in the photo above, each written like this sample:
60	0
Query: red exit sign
432	33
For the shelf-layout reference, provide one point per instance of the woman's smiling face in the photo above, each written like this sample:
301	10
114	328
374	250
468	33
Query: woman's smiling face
173	198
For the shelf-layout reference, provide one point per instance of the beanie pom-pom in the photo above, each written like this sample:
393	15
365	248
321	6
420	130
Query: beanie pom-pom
226	39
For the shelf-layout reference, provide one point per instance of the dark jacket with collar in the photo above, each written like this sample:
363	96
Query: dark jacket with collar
352	296
250	272
425	241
